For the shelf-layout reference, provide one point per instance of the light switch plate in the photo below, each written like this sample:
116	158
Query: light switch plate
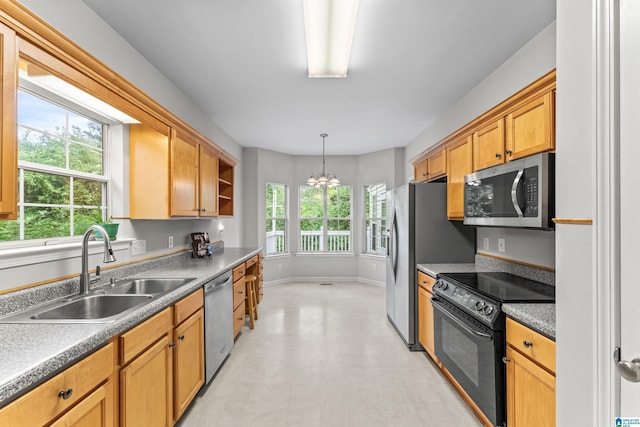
170	242
501	245
138	247
485	242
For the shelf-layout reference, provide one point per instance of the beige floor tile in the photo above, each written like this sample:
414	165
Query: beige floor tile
326	356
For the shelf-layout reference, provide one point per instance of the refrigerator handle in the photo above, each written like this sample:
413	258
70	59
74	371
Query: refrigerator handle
394	244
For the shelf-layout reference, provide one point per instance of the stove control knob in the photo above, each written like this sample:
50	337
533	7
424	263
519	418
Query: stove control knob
443	285
480	305
488	310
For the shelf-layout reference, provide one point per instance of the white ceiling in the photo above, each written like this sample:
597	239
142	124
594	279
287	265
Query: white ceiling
244	63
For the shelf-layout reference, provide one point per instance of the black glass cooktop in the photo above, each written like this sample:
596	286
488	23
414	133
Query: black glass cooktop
504	287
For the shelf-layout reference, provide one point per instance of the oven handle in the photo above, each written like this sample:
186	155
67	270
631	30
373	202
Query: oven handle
459	322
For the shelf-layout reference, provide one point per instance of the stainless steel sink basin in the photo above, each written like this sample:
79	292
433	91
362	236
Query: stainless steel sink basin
148	286
92	307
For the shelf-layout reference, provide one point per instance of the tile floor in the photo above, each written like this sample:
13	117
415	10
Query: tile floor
326	356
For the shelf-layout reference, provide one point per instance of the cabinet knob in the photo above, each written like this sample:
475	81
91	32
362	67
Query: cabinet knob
508	152
506	360
498	155
172	345
181	337
527	344
203	210
65	394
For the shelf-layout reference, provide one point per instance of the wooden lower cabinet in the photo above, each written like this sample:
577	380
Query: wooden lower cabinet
146	387
531	381
96	410
425	314
79	383
188	361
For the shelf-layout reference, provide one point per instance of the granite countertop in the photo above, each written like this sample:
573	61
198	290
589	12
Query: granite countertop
32	353
539	317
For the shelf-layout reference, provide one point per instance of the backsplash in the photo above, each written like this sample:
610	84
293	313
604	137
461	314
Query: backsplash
533	273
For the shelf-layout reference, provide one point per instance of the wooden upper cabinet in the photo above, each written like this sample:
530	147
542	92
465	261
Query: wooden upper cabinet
530	128
148	172
184	176
208	183
420	171
459	164
488	145
8	124
437	165
225	188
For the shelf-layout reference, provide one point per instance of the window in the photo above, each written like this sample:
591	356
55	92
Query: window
276	218
62	182
325	219
375	212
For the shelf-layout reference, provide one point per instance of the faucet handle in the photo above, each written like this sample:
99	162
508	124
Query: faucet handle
96	278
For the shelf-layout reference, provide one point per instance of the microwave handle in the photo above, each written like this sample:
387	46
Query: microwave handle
514	193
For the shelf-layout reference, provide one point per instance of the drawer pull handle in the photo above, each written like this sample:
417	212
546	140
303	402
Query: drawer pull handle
527	344
181	337
65	394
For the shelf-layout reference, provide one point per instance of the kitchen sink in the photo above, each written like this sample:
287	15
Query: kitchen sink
92	307
147	286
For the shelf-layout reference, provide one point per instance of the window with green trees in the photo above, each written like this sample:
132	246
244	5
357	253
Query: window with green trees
325	219
375	212
61	167
276	218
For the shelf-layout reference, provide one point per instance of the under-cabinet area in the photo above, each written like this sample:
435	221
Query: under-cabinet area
148	372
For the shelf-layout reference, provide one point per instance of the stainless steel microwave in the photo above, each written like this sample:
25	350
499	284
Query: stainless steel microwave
516	194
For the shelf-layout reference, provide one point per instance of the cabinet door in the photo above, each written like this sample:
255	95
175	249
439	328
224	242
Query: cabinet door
95	410
437	165
8	124
529	129
208	188
425	321
420	171
148	172
184	177
188	361
488	145
531	393
146	388
460	163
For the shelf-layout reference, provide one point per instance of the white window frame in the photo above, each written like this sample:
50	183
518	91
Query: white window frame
285	237
324	235
366	234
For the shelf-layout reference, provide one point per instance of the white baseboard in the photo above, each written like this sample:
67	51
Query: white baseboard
323	279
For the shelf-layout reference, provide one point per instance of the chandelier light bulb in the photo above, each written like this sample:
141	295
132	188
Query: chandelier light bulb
323	179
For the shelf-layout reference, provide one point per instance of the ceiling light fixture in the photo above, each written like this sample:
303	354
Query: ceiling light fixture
329	27
324	179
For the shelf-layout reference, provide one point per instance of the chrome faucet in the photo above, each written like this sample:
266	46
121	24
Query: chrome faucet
108	255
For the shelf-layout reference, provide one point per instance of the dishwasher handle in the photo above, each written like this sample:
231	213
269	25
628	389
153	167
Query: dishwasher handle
218	283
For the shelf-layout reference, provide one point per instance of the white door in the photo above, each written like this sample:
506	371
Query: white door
630	199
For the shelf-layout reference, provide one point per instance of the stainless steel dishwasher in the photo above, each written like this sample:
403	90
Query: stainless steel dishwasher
218	318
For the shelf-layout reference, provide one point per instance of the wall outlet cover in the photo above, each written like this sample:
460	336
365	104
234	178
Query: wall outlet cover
138	247
170	242
485	242
501	245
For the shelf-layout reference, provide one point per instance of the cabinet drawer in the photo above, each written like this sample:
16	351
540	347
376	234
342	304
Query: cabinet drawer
238	318
251	262
238	272
538	348
426	281
238	292
142	336
43	404
187	306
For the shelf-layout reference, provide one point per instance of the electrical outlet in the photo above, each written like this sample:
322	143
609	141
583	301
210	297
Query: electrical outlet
138	247
170	242
486	242
501	245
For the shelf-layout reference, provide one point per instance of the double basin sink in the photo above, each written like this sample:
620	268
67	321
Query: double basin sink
101	305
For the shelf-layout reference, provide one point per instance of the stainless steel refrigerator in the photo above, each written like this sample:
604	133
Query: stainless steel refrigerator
418	232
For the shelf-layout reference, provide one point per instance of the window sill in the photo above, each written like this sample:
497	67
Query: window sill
372	256
278	255
29	255
325	254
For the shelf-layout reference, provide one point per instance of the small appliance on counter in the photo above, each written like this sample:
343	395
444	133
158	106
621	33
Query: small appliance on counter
200	245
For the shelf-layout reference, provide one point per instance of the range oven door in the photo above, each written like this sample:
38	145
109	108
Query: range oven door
472	353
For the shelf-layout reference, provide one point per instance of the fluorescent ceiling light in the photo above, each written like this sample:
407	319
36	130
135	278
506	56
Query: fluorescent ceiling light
329	27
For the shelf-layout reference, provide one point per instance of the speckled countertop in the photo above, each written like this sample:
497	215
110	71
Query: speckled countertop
539	317
31	353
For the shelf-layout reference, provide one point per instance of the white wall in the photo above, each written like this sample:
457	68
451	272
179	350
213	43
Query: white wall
75	20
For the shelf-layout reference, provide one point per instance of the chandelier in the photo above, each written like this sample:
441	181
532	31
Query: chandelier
324	179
